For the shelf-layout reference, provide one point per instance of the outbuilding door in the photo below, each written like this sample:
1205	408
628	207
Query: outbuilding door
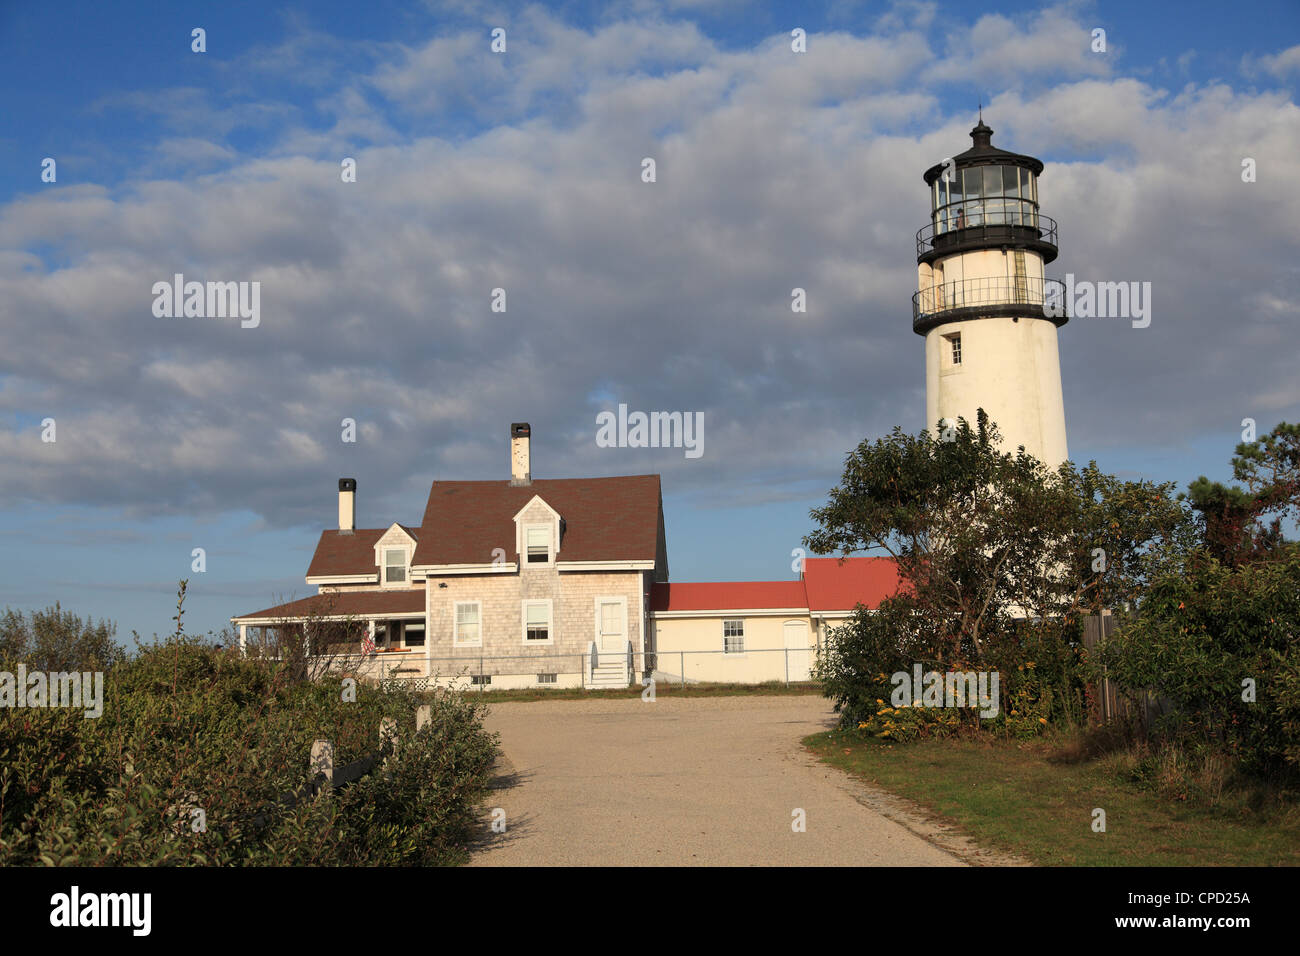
797	652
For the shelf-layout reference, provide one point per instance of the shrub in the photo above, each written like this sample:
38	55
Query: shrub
1201	634
186	726
1040	669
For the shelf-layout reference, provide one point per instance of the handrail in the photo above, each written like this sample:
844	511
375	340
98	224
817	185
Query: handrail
1047	295
979	223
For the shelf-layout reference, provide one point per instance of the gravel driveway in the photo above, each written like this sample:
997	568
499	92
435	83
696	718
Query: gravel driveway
686	781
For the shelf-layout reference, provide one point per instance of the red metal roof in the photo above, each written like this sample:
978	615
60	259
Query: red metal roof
839	584
728	596
348	604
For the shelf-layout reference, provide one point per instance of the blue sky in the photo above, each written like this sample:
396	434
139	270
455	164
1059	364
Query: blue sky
521	170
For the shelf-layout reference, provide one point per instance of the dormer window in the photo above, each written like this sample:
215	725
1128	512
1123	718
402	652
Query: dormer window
538	530
394	565
393	553
537	539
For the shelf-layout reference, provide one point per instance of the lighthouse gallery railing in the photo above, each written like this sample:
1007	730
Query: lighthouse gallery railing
1046	296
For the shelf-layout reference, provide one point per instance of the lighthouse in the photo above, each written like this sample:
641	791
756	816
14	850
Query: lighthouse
984	304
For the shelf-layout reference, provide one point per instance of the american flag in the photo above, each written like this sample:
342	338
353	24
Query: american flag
367	644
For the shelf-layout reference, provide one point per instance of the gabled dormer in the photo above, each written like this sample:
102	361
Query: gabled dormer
539	533
393	553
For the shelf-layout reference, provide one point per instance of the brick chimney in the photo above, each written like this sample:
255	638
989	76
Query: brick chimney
521	472
347	504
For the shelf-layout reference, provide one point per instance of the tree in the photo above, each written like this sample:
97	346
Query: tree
57	640
1217	632
1239	525
996	553
980	534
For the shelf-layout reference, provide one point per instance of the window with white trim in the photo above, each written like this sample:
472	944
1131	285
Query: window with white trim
394	565
537	622
469	622
413	634
733	637
954	347
537	544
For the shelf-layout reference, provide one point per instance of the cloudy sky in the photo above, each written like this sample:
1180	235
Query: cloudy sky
521	170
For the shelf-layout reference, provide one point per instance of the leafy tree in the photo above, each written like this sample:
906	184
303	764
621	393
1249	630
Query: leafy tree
996	554
1217	630
980	534
1220	643
1245	524
58	640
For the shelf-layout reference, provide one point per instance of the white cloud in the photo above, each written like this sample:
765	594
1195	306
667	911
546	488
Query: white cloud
775	170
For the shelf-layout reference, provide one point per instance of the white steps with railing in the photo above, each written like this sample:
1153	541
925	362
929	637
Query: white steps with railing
606	670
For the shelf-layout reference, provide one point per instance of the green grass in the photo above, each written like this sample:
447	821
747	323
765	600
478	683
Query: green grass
662	689
1023	798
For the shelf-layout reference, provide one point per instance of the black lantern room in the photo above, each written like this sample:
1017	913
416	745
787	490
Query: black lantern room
985	198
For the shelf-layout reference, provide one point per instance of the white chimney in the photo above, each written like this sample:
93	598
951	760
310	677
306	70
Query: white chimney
347	504
521	472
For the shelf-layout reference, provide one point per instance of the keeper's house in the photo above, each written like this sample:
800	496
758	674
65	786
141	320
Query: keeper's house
552	582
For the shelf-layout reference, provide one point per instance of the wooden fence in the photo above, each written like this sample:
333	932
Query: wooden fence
322	771
1114	702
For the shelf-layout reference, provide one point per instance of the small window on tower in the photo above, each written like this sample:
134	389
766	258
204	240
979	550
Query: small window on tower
954	343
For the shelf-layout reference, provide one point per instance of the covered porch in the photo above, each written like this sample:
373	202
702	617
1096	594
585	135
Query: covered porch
379	635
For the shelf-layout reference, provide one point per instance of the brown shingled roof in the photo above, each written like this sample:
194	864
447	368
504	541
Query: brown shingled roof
341	552
347	604
606	519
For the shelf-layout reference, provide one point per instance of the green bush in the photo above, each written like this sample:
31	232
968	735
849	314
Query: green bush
188	726
1201	634
1040	670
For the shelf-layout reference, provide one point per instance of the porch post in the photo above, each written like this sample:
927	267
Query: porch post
243	640
370	630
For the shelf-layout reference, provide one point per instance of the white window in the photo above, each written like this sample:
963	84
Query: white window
394	565
537	544
537	622
413	634
733	637
954	346
469	622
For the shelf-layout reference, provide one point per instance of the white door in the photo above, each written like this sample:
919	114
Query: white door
797	651
611	624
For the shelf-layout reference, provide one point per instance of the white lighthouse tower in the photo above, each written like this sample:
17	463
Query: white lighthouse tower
989	341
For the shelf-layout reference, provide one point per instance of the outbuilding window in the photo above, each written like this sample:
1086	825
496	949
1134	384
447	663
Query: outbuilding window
733	637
